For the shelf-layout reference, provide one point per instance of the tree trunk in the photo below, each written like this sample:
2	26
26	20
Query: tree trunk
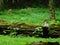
1	2
52	11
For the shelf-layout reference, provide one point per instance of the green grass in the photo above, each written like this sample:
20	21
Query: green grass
21	40
35	16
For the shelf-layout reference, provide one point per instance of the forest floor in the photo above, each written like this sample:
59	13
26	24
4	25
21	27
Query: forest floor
30	16
22	40
26	15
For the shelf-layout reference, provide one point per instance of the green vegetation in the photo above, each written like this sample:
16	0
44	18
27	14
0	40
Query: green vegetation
34	16
21	40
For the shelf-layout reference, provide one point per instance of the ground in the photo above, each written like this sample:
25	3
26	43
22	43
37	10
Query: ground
34	16
22	40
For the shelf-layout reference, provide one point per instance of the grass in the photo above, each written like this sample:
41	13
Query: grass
34	16
21	40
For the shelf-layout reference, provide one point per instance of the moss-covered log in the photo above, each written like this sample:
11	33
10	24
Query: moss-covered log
27	29
44	43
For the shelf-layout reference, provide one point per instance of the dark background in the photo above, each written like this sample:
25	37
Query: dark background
29	3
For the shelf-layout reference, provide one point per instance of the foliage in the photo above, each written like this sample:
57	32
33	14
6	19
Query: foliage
55	22
21	40
26	3
35	16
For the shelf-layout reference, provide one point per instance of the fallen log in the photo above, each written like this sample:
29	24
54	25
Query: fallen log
43	43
